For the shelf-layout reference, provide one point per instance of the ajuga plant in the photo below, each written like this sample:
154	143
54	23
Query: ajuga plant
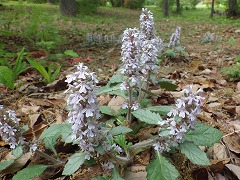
174	49
209	38
109	138
11	132
94	39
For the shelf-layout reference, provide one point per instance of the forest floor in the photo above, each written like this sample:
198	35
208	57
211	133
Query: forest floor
39	105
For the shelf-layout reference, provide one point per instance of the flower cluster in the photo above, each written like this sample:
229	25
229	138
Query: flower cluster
151	44
147	24
131	54
84	113
100	39
209	38
180	119
139	53
9	127
175	38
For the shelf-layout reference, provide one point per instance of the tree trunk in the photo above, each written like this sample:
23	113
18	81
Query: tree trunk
165	8
112	3
178	6
68	7
232	8
51	1
212	9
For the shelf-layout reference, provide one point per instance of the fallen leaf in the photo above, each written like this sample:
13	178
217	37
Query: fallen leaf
220	177
233	142
29	109
136	172
218	165
219	151
235	169
33	119
238	87
116	103
238	111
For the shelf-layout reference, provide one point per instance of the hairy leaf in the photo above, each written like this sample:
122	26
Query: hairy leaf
51	134
163	110
147	116
161	168
203	135
6	164
194	154
119	130
107	110
30	172
116	79
74	163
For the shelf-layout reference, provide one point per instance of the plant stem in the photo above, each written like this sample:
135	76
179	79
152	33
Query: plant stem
145	86
143	144
129	113
47	157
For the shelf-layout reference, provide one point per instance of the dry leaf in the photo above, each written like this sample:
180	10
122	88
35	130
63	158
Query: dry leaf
238	87
136	172
220	177
233	142
33	119
116	103
18	164
219	151
29	109
103	99
35	131
238	111
218	165
235	169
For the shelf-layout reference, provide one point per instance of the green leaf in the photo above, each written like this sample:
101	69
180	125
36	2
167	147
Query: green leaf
160	168
6	77
163	110
51	134
6	164
55	74
71	53
39	67
108	89
74	163
116	175
57	129
50	142
203	135
107	110
18	151
147	116
119	130
168	85
116	79
30	172
194	154
118	93
170	53
19	65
